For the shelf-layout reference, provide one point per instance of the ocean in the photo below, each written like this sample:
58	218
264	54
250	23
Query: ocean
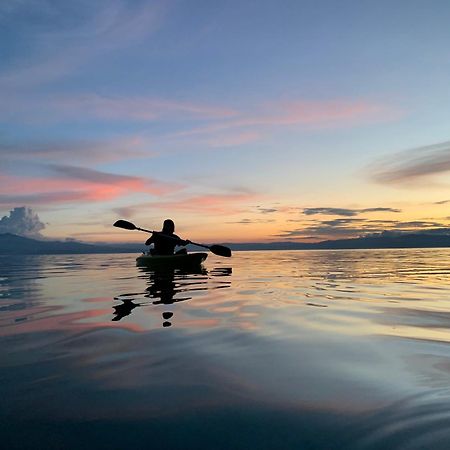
277	350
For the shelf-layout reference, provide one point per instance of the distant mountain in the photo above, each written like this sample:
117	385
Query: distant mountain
11	244
383	241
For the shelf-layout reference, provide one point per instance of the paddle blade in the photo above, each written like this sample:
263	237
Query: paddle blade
220	250
125	225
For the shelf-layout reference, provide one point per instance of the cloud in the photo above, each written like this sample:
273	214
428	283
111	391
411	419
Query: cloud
417	224
80	151
218	126
126	211
22	221
266	210
315	114
99	177
70	184
138	108
232	139
212	204
330	211
394	210
341	222
227	203
345	211
87	106
50	198
442	202
251	221
355	227
409	167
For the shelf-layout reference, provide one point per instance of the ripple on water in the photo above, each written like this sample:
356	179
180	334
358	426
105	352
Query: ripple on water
421	421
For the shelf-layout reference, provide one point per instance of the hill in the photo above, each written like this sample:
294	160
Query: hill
11	244
400	241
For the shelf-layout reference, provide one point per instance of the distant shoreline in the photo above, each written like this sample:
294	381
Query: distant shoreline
11	244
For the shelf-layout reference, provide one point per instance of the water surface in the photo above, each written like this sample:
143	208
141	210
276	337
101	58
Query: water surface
266	350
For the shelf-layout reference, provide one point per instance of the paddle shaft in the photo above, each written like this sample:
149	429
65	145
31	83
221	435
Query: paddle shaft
171	237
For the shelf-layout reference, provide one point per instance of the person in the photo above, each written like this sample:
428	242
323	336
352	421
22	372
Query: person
165	241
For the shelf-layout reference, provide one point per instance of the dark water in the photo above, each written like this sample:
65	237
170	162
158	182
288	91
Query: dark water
266	350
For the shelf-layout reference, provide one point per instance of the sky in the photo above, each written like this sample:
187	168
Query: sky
243	121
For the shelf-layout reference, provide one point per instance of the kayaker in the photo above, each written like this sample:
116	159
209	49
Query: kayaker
165	241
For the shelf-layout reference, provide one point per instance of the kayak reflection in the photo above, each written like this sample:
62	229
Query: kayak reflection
168	287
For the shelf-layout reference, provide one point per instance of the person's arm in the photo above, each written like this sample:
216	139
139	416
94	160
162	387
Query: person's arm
150	240
181	242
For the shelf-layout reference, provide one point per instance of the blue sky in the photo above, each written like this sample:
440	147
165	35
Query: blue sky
210	112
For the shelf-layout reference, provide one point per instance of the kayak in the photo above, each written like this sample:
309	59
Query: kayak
181	260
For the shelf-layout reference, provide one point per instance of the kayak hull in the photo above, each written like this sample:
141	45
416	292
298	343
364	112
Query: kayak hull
181	260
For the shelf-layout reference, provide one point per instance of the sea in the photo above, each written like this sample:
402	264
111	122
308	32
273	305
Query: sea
346	349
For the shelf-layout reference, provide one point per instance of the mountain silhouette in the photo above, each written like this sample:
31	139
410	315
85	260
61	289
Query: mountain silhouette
11	244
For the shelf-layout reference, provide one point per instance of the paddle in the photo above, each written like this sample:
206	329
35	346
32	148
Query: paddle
219	250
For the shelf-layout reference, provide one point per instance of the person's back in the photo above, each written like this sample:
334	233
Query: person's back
165	241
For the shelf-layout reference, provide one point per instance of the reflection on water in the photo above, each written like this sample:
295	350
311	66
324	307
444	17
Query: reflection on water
267	350
165	286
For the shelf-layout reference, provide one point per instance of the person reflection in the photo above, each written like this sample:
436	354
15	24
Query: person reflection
169	286
221	272
166	316
163	288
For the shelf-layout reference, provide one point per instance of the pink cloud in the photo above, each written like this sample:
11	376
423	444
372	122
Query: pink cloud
317	114
76	184
228	203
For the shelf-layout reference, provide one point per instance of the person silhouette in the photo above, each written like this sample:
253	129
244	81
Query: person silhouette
165	241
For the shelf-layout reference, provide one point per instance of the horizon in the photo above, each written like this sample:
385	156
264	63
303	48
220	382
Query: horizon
384	236
305	121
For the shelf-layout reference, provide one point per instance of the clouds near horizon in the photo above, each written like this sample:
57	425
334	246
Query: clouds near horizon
345	228
23	222
346	211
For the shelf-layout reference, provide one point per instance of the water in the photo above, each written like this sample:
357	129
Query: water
266	350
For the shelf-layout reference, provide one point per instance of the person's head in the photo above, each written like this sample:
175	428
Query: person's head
168	226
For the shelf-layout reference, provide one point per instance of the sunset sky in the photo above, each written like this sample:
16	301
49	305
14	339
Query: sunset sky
243	121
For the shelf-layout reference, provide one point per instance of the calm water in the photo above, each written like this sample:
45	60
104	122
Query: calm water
266	350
